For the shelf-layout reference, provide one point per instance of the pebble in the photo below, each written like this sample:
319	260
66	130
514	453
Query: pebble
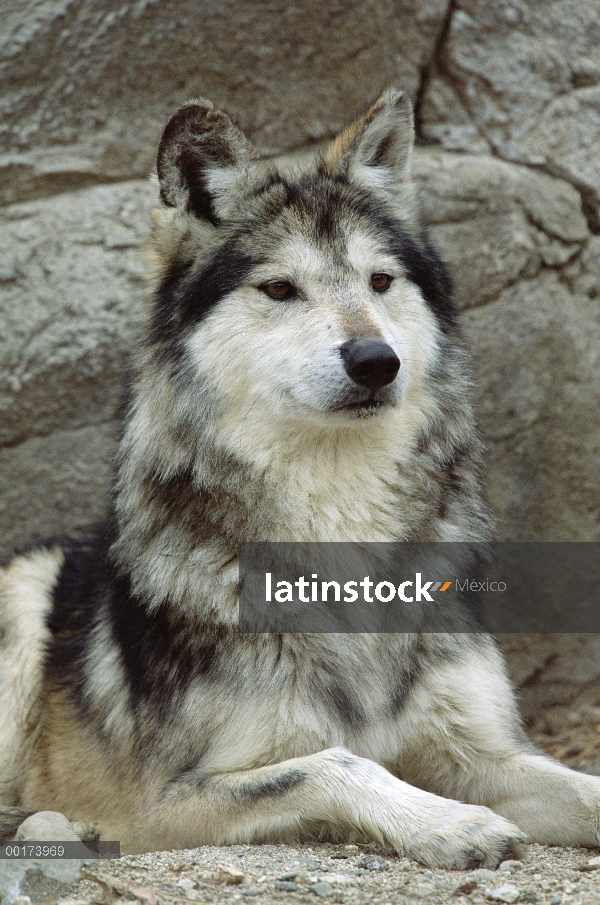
286	886
309	863
466	888
511	866
482	875
322	889
592	864
505	893
231	876
339	879
371	862
289	876
186	883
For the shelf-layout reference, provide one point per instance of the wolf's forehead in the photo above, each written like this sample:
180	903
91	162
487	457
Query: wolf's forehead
298	250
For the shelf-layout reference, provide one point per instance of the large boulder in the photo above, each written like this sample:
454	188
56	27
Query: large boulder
527	278
522	78
87	93
71	284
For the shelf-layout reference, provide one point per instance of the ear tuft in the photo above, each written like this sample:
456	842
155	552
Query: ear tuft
198	142
376	149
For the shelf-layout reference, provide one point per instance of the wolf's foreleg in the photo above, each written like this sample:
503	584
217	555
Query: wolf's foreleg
338	789
468	743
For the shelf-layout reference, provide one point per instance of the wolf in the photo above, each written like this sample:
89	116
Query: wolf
301	377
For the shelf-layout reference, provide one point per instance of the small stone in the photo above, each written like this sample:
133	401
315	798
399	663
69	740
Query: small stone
250	892
340	855
511	865
530	896
351	848
556	900
186	883
592	864
231	875
290	876
339	879
322	889
286	886
466	889
505	893
482	875
371	862
309	863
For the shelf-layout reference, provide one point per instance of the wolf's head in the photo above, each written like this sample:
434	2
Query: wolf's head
306	296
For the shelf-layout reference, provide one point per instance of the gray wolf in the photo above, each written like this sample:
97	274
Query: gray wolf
301	377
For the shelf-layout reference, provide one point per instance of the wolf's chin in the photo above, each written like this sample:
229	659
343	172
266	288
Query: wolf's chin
367	408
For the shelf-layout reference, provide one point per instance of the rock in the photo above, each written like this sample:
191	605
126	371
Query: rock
483	875
309	863
46	826
465	889
322	889
68	317
504	893
112	76
524	80
55	486
231	876
286	886
40	880
493	222
339	879
535	333
371	862
511	866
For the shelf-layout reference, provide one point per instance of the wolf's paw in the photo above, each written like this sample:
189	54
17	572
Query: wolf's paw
463	837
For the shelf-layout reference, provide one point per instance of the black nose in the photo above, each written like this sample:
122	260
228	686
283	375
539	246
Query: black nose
370	362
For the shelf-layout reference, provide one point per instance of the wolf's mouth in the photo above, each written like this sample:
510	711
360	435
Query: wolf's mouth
366	408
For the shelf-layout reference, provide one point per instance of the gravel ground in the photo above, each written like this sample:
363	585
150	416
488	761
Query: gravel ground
340	874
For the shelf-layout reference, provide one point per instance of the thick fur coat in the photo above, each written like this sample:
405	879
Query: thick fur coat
302	377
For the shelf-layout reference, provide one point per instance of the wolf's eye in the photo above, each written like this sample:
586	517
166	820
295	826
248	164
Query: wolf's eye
381	281
278	289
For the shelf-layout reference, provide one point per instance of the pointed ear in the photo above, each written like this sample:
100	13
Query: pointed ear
201	160
375	151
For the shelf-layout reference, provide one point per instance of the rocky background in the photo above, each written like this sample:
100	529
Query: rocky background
507	99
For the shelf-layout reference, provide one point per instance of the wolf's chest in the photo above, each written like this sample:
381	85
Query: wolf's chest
321	692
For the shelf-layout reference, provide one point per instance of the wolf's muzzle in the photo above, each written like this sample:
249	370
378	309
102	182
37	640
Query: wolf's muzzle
370	363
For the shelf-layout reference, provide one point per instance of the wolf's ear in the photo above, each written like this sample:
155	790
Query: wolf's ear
375	151
201	160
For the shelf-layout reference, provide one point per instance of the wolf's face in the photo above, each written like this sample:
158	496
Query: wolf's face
306	296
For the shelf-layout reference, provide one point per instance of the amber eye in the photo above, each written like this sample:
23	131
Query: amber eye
381	281
278	289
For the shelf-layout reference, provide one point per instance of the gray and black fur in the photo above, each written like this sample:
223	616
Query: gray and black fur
302	377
